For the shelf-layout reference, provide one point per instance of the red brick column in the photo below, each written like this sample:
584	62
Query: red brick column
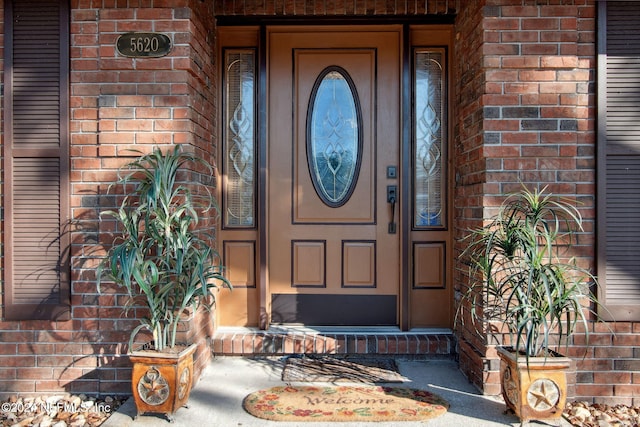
526	115
117	104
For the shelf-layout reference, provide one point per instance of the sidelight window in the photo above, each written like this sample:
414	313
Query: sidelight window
239	140
429	126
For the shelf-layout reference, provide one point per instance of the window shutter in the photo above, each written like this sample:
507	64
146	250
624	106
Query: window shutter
619	159
36	241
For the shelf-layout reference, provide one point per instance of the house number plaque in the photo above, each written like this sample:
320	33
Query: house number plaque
143	45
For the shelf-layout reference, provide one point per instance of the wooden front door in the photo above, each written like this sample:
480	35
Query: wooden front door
324	127
333	181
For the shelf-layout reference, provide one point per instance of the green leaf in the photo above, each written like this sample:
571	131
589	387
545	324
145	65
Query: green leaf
161	254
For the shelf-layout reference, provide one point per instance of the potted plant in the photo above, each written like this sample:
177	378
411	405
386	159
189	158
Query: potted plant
523	281
167	266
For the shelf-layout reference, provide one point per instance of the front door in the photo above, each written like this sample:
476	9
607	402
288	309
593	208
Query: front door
335	189
333	182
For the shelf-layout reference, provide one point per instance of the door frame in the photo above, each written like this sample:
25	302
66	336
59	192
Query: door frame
442	25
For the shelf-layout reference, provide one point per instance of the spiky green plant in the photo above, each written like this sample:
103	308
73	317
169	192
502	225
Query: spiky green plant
519	276
161	258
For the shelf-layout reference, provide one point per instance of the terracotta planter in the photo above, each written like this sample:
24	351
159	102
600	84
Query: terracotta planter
537	391
161	382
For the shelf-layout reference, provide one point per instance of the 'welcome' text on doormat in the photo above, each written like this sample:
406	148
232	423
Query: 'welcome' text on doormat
344	403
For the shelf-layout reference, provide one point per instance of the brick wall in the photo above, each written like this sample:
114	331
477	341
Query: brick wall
526	96
341	8
523	102
468	89
140	104
117	104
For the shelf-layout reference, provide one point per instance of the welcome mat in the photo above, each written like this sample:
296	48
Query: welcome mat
344	403
333	369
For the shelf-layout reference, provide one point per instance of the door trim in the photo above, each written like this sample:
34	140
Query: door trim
263	176
405	179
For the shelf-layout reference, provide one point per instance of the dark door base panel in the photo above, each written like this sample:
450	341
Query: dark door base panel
334	310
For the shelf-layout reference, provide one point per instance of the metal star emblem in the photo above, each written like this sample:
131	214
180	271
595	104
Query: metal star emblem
153	388
543	394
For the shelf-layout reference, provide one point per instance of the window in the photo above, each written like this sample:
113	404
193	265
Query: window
619	159
239	141
334	139
36	275
428	136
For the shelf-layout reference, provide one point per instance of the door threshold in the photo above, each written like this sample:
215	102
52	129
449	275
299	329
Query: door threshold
299	339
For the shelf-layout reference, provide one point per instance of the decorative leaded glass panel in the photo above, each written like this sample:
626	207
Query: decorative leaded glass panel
239	141
334	141
429	127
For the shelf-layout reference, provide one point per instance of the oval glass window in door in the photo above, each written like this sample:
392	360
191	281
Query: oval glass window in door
334	139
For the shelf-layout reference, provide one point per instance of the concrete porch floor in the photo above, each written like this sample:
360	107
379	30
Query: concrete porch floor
216	400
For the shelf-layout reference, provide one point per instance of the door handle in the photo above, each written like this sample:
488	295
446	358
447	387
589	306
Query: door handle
392	196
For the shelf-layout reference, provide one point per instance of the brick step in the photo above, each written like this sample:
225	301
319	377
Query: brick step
297	340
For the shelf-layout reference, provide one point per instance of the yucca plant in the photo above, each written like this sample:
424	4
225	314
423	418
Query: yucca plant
161	258
521	276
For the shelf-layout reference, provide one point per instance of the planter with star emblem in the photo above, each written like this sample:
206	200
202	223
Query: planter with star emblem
537	389
166	261
161	382
527	290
